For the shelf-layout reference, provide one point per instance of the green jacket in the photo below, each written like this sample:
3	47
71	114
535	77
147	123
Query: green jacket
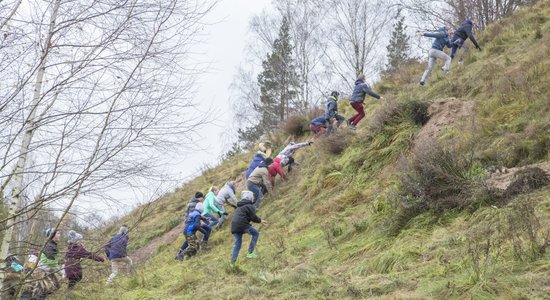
209	204
48	258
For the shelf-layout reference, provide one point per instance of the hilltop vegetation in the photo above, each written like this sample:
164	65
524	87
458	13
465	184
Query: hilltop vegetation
384	217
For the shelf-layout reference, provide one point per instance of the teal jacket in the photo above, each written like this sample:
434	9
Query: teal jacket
209	204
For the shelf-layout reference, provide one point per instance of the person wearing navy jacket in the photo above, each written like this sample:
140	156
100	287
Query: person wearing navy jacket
357	98
117	253
331	111
436	52
192	225
318	125
460	35
244	214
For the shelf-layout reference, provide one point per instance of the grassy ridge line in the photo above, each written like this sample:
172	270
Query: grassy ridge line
328	236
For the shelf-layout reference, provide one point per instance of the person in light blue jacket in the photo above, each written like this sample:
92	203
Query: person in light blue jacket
441	41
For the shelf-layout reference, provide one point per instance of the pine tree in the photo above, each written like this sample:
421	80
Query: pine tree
398	48
278	81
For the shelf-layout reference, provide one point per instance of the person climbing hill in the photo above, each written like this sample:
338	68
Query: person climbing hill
192	225
331	112
274	169
357	98
436	52
75	253
196	203
286	154
49	262
210	207
461	35
264	152
259	179
245	213
319	125
226	195
116	251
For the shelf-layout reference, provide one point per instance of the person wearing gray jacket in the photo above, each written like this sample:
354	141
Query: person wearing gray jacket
436	52
225	195
332	111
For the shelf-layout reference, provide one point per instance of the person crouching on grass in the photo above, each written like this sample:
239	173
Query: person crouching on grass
244	214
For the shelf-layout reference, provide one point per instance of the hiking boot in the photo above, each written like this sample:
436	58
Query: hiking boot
179	256
251	255
351	126
422	82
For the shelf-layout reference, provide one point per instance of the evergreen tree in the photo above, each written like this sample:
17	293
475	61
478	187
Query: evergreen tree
278	81
398	48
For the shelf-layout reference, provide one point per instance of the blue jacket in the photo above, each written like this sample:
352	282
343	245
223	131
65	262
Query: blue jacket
359	92
116	248
193	222
258	158
319	121
441	38
332	108
465	31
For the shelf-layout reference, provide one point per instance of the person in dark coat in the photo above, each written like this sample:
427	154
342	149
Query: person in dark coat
331	111
76	252
357	98
244	214
318	125
117	253
460	35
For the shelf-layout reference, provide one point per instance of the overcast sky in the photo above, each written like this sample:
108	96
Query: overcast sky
223	49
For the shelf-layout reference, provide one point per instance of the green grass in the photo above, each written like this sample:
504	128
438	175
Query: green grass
332	231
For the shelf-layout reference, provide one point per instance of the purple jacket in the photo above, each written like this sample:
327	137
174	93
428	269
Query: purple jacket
116	248
74	254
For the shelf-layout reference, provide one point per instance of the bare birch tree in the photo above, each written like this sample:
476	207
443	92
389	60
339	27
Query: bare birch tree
93	92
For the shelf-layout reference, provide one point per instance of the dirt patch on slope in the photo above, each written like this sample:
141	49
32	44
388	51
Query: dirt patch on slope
144	253
444	114
504	177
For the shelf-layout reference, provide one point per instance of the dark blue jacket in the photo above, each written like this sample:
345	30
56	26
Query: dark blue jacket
319	121
193	222
258	158
441	38
116	248
359	92
332	108
465	31
244	214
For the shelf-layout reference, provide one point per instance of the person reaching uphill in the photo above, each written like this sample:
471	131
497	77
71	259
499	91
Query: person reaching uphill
245	213
225	195
436	52
116	251
261	155
275	169
75	253
210	207
461	35
192	225
286	154
357	98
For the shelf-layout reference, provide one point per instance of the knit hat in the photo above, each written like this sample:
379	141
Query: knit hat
335	94
74	237
123	229
199	195
199	207
247	195
50	233
361	77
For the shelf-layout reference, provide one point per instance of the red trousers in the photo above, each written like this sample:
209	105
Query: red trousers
318	130
358	106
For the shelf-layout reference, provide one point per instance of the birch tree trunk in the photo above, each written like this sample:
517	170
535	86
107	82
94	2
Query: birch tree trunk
15	201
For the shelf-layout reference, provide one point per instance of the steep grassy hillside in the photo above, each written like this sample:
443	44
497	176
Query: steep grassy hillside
391	216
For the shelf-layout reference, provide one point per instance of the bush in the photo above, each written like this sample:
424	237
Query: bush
397	112
335	143
295	125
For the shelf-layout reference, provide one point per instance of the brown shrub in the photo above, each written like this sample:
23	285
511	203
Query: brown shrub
295	125
335	143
